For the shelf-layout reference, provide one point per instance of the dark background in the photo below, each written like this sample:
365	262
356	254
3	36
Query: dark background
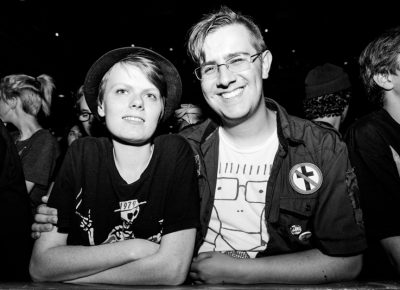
301	34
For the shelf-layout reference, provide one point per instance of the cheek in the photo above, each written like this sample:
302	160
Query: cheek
206	88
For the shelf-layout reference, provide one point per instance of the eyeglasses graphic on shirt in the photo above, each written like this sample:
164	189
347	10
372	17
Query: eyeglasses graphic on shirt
229	189
84	116
235	64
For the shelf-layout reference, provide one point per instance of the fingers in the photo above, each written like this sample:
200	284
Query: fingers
195	277
35	235
202	256
43	209
38	228
46	219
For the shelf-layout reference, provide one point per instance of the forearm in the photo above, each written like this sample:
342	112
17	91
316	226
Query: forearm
391	246
61	263
169	266
308	267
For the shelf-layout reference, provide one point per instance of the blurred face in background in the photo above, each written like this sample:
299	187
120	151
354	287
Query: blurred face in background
85	115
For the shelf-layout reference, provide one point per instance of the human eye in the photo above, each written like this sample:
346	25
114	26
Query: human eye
151	96
208	69
238	60
120	91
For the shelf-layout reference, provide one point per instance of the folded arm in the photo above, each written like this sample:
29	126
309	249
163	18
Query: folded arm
391	246
168	266
53	260
307	267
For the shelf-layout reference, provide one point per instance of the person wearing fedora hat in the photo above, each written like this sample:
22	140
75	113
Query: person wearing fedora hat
127	205
327	95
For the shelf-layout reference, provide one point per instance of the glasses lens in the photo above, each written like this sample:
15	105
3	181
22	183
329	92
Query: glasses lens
84	116
239	64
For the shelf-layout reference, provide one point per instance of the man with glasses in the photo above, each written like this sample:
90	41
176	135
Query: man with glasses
278	200
85	118
278	196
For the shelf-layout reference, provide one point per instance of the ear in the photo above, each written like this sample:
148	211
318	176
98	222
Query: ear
384	81
266	58
100	109
12	102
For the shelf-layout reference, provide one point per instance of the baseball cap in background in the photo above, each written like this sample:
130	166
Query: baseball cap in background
107	60
326	79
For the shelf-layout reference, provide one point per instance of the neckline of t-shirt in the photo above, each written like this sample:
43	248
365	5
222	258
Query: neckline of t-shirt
36	133
116	173
251	149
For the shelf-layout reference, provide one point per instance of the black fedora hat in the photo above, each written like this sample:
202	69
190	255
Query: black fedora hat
106	61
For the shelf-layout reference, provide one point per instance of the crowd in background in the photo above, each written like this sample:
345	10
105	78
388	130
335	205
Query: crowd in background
329	96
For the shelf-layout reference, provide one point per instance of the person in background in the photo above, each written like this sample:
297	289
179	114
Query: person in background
127	205
85	118
15	241
22	99
374	147
188	114
328	93
87	124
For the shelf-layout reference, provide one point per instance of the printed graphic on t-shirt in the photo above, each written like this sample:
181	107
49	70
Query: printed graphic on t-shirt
86	222
237	225
129	211
396	158
239	208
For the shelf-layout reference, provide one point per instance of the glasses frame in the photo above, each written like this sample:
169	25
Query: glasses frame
252	58
80	118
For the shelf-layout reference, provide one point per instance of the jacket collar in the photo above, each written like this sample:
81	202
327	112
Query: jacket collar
286	130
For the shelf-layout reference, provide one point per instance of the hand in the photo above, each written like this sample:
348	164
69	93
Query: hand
45	218
211	268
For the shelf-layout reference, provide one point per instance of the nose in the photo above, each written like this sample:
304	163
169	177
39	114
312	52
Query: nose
136	101
225	76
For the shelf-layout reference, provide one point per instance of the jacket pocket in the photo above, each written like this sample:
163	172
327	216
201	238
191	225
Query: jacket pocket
293	231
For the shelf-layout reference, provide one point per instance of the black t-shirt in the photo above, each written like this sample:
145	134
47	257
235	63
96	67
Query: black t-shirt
374	150
39	155
15	214
96	205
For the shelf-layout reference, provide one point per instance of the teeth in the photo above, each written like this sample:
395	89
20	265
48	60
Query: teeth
136	119
232	94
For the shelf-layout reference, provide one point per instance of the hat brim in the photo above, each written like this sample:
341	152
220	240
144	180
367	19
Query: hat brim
106	61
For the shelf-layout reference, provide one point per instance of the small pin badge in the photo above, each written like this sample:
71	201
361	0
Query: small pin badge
295	230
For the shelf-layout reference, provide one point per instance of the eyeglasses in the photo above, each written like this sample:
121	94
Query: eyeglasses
84	116
236	64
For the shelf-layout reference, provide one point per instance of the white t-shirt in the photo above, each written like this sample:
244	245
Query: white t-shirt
238	218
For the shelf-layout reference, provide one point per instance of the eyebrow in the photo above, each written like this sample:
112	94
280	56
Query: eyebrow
227	57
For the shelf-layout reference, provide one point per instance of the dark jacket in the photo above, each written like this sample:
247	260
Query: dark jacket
312	196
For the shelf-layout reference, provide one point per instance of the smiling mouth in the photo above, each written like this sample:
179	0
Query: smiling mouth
232	94
133	119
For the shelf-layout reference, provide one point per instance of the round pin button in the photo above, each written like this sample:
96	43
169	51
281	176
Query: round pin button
305	236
